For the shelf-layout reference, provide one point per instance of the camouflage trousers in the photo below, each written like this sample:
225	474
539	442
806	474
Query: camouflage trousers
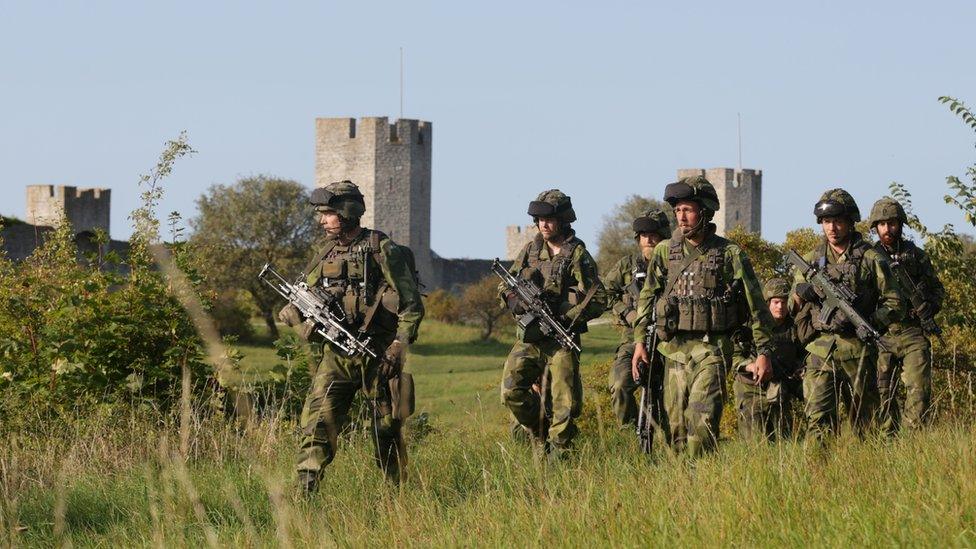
523	369
624	391
326	413
764	411
910	356
850	380
694	391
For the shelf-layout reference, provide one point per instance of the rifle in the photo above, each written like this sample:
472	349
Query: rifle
835	298
645	423
319	310
926	320
530	296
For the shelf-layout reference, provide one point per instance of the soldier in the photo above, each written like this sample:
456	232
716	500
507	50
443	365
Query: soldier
839	363
623	283
763	409
702	288
374	281
558	263
907	341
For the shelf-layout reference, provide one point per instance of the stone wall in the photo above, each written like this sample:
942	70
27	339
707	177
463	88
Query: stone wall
516	237
739	194
86	209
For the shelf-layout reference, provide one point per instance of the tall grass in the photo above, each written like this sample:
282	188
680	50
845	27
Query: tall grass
120	479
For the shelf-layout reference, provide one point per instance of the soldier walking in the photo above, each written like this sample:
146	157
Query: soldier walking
840	364
909	352
557	263
763	408
374	281
623	284
703	288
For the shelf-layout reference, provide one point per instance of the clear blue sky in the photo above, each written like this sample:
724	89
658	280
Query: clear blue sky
599	99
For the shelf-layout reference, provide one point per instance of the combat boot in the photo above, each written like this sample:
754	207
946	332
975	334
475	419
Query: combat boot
308	482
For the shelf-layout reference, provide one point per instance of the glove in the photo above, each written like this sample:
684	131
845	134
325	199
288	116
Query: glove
807	292
392	362
289	315
514	305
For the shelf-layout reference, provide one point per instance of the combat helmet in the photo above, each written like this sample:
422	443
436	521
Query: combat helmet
887	208
553	203
837	203
776	287
697	189
341	197
653	221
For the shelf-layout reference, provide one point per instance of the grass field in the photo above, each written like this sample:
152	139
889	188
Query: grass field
106	481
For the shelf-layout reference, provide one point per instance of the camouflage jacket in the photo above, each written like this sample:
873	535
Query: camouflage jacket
878	299
786	348
916	264
623	284
565	280
371	268
735	268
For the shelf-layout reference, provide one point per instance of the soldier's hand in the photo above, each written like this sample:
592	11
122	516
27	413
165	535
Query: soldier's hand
289	315
392	361
763	369
640	355
306	330
514	304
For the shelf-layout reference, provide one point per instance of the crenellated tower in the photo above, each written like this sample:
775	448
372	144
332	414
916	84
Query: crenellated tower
85	209
391	163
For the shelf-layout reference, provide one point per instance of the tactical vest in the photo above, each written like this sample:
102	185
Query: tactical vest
554	275
909	258
845	274
699	296
785	351
351	274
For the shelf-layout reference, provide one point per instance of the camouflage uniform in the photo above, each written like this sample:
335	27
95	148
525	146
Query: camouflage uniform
373	278
839	365
763	410
908	345
703	294
623	284
566	280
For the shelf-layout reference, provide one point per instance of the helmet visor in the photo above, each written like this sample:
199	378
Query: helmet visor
829	208
538	208
646	225
678	191
320	197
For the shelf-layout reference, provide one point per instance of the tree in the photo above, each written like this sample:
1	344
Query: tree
241	227
765	256
479	304
616	236
442	305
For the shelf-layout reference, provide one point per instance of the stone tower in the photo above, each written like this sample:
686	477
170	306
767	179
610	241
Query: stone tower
391	163
516	237
739	195
85	209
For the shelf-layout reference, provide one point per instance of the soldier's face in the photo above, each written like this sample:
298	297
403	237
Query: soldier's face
548	226
889	231
837	229
777	308
331	222
647	241
688	214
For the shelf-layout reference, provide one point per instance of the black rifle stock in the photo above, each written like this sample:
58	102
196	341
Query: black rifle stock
835	298
530	296
317	310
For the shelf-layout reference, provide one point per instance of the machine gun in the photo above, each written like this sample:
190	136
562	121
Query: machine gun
835	298
530	297
317	309
925	318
